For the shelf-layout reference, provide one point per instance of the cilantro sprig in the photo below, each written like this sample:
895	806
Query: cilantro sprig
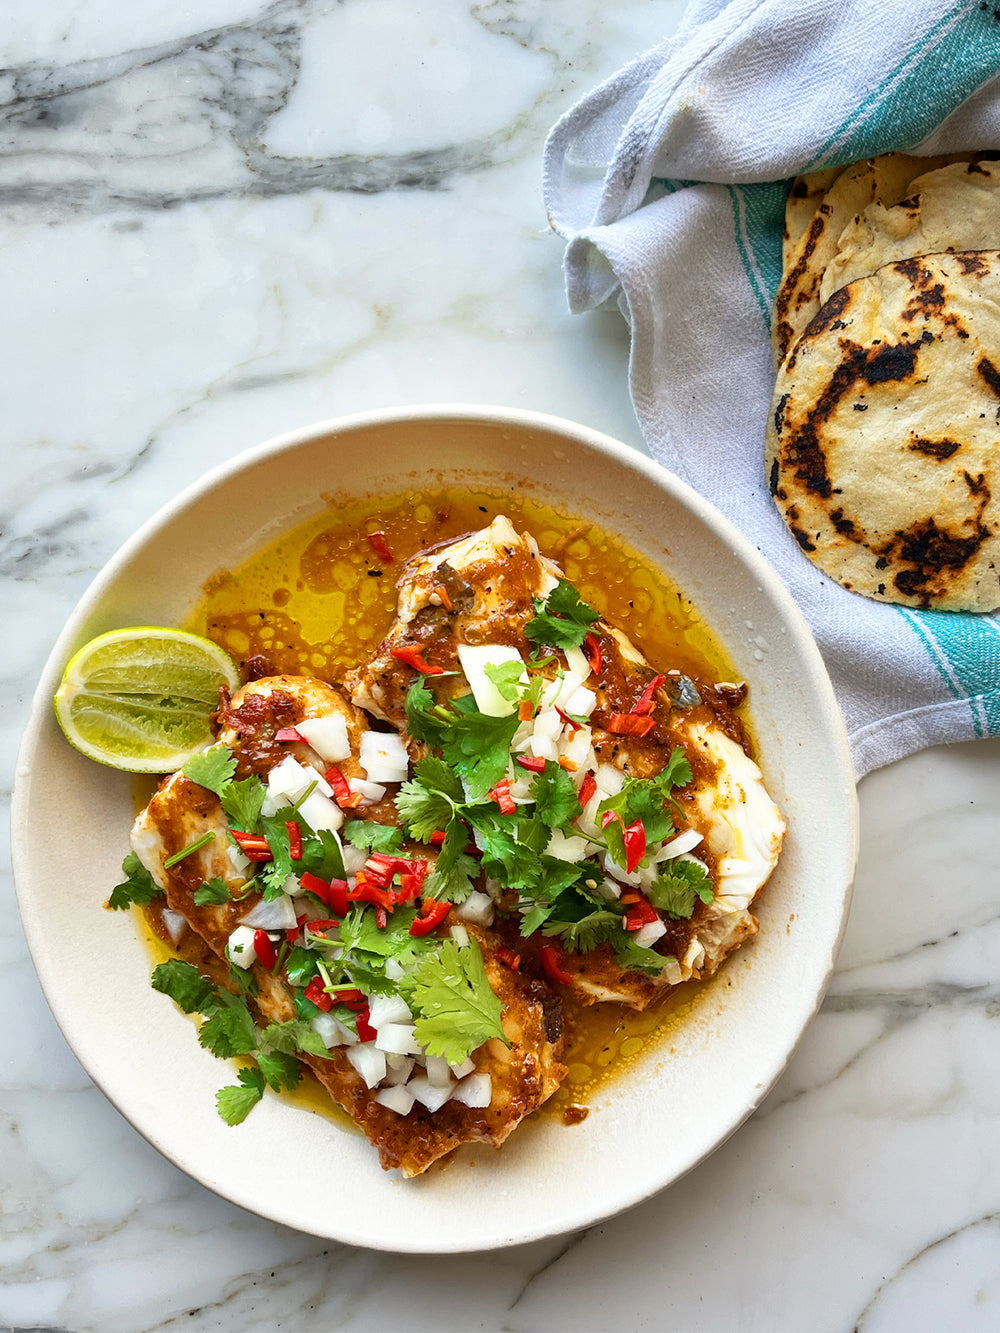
562	620
137	887
455	1005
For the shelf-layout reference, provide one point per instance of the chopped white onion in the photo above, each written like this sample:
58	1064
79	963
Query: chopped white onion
581	703
398	1069
466	1067
332	1032
578	750
372	792
174	923
610	780
388	1009
239	948
564	848
397	1039
460	935
327	736
619	872
319	812
474	659
394	969
399	1099
439	1071
576	661
384	757
647	935
475	1091
543	747
293	887
278	914
237	860
684	842
548	724
432	1096
609	889
477	908
368	1062
354	859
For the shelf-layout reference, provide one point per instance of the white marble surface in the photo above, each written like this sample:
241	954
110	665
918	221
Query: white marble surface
221	221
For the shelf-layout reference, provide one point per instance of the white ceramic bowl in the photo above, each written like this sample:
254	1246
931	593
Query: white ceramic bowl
646	1129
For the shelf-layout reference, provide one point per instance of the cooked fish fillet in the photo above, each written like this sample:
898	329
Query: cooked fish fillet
491	578
474	590
250	720
181	811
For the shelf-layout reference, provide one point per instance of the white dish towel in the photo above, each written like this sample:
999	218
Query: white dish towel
669	183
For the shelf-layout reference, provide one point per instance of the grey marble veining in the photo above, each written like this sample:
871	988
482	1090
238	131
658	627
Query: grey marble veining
219	222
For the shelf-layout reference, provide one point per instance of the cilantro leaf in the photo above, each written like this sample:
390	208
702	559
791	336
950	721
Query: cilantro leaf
477	747
424	810
372	837
506	677
235	1102
321	855
274	872
451	882
588	932
292	1036
242	802
675	891
212	768
456	1008
184	984
230	1030
139	885
215	891
634	957
554	794
562	620
300	965
280	1069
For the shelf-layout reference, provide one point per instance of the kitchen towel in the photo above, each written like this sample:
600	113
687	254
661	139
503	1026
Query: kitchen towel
669	184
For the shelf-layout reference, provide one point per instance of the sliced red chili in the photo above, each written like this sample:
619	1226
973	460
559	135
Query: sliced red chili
592	652
568	721
609	816
525	710
409	888
252	845
381	547
321	923
365	1030
635	845
412	654
290	734
587	788
532	764
551	958
338	900
438	837
367	891
640	913
294	839
645	702
315	992
630	724
342	794
264	949
320	887
501	794
568	765
381	917
510	958
351	997
432	913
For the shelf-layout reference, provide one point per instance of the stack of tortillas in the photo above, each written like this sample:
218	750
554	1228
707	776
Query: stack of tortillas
883	444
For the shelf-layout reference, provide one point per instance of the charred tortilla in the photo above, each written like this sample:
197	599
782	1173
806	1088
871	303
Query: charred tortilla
883	444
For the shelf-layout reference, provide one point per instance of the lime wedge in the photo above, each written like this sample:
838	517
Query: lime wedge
140	699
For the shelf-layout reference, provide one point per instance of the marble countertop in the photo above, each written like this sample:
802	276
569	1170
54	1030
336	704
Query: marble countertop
222	221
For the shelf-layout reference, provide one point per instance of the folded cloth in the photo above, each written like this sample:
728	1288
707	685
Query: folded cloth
669	183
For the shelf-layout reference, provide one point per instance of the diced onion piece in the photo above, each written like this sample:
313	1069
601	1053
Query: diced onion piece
372	792
684	842
543	747
293	888
474	659
581	703
477	908
369	1063
174	923
398	1069
276	914
327	736
647	935
548	724
332	1032
466	1067
476	1091
610	780
394	969
439	1071
354	859
239	947
388	1009
432	1096
237	860
576	661
383	756
319	812
577	749
619	872
460	935
397	1039
399	1099
564	848
609	889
